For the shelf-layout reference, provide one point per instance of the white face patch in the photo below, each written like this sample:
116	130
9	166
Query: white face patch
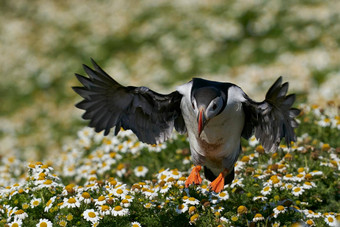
214	107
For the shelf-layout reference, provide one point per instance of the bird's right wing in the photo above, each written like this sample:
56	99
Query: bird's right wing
151	116
272	119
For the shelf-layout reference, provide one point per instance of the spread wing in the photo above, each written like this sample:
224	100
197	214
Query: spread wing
107	104
272	119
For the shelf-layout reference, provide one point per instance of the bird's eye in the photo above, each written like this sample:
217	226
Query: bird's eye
214	106
193	106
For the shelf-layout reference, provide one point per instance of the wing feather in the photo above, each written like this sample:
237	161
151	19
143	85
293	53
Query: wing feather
107	104
272	119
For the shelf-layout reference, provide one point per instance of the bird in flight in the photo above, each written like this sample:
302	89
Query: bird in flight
215	115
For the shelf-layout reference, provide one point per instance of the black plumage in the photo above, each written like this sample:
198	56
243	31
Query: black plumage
107	104
272	119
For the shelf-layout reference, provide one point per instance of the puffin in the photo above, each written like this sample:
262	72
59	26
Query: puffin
214	115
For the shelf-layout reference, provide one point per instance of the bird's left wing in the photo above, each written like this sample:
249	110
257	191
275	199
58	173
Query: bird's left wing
107	104
272	119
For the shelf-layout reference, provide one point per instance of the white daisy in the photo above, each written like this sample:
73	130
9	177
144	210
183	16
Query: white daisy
225	220
148	205
100	201
289	186
330	220
191	201
150	193
258	217
288	177
44	223
49	204
223	195
15	223
310	222
279	210
140	171
296	191
308	185
135	224
260	197
20	214
119	191
253	141
91	215
85	197
119	211
35	202
266	190
70	202
217	208
104	210
165	188
121	170
237	182
182	208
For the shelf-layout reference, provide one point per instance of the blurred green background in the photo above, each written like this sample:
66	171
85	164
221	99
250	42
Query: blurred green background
160	44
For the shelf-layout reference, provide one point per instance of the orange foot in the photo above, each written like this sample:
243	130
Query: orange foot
194	177
218	184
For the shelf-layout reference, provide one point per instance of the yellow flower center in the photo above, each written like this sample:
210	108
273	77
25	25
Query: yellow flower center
280	208
43	224
266	188
223	194
140	168
120	166
19	212
48	181
242	209
92	214
107	141
194	217
69	217
330	219
105	207
258	215
119	191
192	199
234	218
118	208
15	225
309	222
85	195
245	159
101	198
48	203
180	206
36	203
71	200
297	189
192	209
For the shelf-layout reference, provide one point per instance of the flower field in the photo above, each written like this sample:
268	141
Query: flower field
54	171
119	181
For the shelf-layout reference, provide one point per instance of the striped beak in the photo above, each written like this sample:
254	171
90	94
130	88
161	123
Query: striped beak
201	120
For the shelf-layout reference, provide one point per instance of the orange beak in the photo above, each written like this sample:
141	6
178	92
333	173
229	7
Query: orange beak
201	122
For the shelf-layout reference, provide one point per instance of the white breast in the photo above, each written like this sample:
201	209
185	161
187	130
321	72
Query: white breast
221	136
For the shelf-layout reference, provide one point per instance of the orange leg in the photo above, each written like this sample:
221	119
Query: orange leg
218	184
194	177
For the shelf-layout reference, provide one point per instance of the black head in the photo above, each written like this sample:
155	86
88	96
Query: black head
208	100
